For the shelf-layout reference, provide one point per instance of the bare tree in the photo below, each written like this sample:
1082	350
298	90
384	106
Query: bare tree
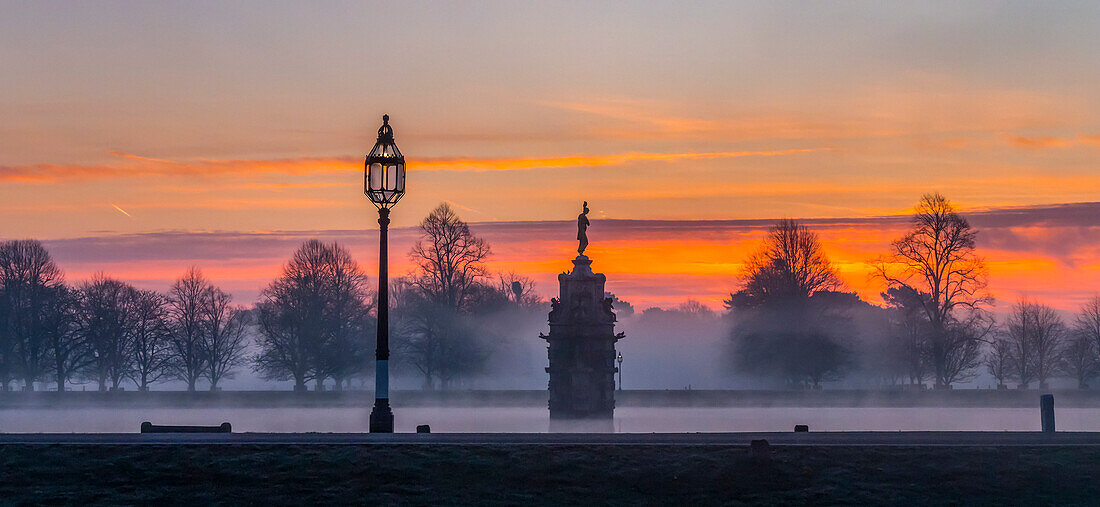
104	323
998	361
790	265
224	339
1087	323
29	282
151	338
314	319
349	325
937	258
448	257
68	352
435	333
695	308
186	301
781	327
961	348
1080	360
7	341
1037	333
1017	332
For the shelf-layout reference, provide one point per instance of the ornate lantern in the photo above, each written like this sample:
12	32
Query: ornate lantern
384	178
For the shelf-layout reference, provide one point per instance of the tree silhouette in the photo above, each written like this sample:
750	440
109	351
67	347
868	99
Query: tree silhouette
785	323
68	352
448	257
1036	333
314	319
436	333
1079	360
30	286
104	322
936	257
223	339
998	361
186	303
1087	323
151	338
790	264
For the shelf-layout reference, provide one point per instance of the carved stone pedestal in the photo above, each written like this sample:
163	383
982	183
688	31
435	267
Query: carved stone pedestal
582	351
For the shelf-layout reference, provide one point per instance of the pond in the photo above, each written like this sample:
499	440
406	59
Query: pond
535	419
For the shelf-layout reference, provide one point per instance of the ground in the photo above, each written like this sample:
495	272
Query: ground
545	474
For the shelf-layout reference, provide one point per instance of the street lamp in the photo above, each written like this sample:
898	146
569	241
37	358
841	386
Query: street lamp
620	360
384	184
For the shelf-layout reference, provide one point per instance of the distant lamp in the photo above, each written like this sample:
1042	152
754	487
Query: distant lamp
620	361
384	181
384	184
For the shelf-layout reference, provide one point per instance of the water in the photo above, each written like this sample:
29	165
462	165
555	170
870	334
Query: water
535	419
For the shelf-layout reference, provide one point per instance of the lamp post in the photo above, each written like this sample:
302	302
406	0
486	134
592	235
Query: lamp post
620	361
384	184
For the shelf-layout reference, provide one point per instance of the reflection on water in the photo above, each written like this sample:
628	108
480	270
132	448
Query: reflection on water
532	419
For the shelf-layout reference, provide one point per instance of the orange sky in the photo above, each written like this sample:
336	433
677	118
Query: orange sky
158	125
1047	253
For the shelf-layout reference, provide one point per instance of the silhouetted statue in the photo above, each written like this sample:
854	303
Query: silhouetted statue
582	227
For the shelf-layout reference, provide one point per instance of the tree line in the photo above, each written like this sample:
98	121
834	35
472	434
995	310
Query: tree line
791	322
315	322
107	331
452	320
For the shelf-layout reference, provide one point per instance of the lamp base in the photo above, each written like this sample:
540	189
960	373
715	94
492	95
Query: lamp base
381	417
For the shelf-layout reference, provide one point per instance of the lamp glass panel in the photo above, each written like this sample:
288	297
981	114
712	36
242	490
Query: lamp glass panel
375	176
391	177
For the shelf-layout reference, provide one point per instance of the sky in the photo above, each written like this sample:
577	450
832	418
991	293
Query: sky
139	138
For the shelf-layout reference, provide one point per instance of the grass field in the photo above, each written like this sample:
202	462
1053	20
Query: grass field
543	474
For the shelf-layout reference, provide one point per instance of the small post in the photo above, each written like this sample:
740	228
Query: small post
1046	406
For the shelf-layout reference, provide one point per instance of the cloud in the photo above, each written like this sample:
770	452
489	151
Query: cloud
1040	143
1033	249
921	105
523	163
1037	143
132	166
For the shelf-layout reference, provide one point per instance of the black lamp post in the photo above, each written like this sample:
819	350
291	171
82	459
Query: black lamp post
384	184
620	361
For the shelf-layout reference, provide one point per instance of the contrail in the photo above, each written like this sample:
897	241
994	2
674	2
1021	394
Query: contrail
120	210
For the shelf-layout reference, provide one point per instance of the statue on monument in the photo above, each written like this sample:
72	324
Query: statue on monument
582	227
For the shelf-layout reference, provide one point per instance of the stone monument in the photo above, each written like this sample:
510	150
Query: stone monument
581	344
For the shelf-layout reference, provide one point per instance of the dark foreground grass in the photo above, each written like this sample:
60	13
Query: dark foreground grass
539	474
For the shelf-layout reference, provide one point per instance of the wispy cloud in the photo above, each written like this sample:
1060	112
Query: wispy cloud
1034	248
1038	143
524	163
132	166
